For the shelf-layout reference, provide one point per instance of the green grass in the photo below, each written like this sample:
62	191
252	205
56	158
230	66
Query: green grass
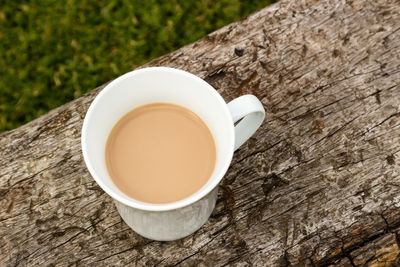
54	51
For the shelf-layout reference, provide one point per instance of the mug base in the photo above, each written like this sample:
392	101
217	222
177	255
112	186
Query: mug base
172	224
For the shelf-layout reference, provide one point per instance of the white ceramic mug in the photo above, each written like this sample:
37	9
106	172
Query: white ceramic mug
161	84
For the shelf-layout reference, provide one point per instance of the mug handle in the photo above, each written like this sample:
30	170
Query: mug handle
251	112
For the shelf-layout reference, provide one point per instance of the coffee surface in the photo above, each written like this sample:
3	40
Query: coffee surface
160	153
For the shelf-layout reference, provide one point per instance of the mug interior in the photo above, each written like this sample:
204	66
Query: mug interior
151	85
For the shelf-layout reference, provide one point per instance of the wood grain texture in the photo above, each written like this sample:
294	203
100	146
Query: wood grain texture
317	185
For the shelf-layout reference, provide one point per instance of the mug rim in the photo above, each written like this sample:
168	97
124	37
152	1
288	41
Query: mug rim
131	202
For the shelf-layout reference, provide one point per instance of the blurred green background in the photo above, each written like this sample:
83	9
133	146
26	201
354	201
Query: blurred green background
54	51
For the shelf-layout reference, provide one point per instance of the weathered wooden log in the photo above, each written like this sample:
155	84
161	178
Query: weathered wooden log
318	184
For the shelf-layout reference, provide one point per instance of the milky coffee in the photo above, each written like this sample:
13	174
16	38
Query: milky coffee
160	153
